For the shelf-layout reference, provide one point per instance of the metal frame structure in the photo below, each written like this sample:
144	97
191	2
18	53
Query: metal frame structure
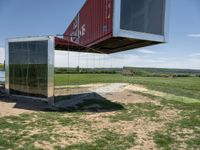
118	32
59	44
50	74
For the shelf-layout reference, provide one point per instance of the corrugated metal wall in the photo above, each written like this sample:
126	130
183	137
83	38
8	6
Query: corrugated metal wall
93	23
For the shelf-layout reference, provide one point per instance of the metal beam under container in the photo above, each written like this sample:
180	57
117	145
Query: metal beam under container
65	45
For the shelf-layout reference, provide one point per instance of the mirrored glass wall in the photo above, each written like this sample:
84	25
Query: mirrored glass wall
143	16
28	63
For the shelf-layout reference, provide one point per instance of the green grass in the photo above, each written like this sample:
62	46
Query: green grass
189	121
183	94
109	141
188	87
134	111
16	131
1	66
163	140
78	79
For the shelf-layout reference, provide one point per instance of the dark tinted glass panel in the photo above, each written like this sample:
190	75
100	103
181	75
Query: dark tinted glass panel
143	16
28	68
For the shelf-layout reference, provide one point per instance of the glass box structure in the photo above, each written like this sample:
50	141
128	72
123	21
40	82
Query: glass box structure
30	67
101	26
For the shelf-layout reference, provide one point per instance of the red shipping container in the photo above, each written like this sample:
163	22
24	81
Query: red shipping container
92	23
110	26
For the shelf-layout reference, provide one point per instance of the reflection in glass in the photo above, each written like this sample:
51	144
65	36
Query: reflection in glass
28	68
143	16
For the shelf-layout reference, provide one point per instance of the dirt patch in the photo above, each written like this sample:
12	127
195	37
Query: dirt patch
128	97
143	127
116	92
8	109
15	108
44	145
76	89
59	135
109	88
66	136
142	89
71	91
96	88
169	114
70	136
134	87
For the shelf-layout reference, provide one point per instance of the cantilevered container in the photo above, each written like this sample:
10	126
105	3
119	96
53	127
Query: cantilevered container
110	26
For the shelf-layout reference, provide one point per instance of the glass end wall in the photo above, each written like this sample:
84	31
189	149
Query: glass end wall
28	68
146	16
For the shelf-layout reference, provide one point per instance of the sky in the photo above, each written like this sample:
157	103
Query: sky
21	18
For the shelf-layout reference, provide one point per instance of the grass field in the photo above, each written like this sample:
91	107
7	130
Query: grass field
170	120
1	66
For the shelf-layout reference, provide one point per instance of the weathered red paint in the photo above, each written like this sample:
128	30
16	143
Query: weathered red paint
92	24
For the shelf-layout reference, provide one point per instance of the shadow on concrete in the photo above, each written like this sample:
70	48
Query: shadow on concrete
88	102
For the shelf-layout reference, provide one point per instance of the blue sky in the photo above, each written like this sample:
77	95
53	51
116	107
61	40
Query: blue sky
19	18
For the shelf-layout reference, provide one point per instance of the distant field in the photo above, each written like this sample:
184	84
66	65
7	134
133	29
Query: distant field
182	86
160	71
1	66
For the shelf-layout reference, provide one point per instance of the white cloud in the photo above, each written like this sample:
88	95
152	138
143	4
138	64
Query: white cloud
195	55
2	54
146	51
194	35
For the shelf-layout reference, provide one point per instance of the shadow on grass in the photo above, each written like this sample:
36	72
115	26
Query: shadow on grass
88	102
